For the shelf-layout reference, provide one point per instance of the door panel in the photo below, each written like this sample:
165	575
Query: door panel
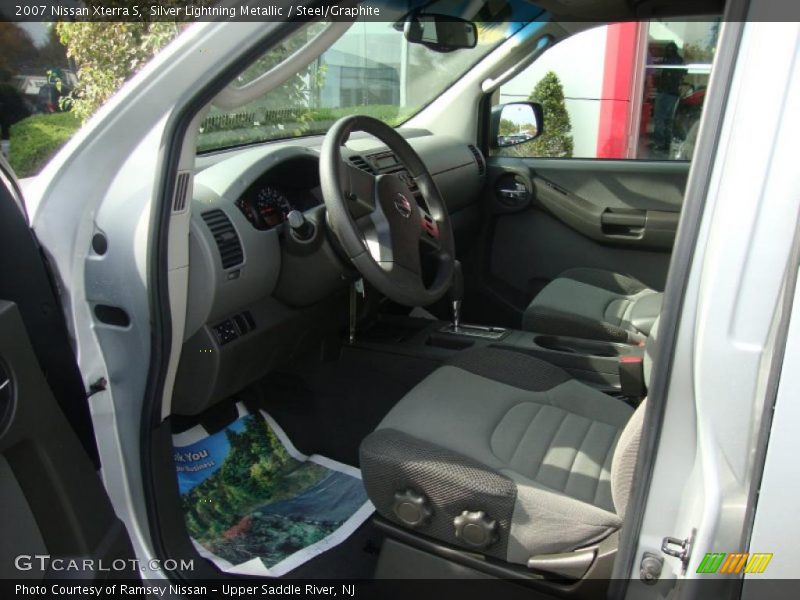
48	486
533	248
18	524
550	215
647	185
52	501
621	203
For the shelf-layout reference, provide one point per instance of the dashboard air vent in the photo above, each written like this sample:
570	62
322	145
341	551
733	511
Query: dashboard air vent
359	162
230	247
478	159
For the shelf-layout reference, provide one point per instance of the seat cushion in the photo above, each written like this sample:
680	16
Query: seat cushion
594	304
549	438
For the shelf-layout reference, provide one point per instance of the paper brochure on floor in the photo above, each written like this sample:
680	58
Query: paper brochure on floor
254	505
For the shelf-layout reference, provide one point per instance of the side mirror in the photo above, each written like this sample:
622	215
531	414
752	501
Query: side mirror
516	123
441	33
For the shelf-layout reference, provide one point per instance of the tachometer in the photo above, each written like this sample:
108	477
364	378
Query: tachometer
271	205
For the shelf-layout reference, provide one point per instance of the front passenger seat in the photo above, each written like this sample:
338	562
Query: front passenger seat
502	453
594	304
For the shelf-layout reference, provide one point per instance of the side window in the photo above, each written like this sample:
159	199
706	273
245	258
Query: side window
622	91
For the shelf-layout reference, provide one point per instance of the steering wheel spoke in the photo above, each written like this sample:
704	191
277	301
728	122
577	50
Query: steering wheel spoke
358	188
377	235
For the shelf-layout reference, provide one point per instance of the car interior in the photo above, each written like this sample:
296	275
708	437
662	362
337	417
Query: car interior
473	332
510	398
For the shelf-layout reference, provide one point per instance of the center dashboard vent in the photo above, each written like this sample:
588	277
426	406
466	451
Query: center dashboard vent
478	159
360	163
228	243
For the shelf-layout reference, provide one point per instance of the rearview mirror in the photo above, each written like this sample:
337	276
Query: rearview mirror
441	33
516	123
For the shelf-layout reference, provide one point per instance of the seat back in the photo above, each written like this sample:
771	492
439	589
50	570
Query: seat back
623	464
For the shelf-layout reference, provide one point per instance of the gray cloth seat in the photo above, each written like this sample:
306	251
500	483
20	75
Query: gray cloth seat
594	304
546	458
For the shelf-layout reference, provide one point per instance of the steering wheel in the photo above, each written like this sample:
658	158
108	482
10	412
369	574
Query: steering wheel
402	247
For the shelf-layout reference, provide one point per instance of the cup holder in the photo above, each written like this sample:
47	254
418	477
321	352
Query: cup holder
576	346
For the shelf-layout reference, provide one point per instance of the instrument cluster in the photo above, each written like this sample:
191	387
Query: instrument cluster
265	206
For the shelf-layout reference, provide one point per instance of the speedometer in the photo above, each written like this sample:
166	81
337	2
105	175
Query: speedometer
271	205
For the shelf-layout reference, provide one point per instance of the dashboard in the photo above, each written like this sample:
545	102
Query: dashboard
258	296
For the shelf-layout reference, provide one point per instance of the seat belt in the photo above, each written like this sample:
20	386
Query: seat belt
631	377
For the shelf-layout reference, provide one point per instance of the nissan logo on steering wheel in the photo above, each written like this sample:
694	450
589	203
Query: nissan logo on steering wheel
403	206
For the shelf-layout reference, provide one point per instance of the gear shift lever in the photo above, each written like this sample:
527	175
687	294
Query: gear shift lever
456	297
457	294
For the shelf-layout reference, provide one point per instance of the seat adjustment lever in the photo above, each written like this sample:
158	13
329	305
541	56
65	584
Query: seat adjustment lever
569	565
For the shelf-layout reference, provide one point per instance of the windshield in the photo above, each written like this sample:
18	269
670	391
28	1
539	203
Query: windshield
370	70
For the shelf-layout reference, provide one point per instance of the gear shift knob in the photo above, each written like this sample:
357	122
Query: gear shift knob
457	294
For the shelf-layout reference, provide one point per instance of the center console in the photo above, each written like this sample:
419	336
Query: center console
597	363
593	362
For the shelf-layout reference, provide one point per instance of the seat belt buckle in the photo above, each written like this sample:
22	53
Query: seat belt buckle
631	376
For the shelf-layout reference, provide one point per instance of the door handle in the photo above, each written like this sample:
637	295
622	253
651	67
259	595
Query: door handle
513	194
629	223
626	218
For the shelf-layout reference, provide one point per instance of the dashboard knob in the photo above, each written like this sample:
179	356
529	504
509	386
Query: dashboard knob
302	229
